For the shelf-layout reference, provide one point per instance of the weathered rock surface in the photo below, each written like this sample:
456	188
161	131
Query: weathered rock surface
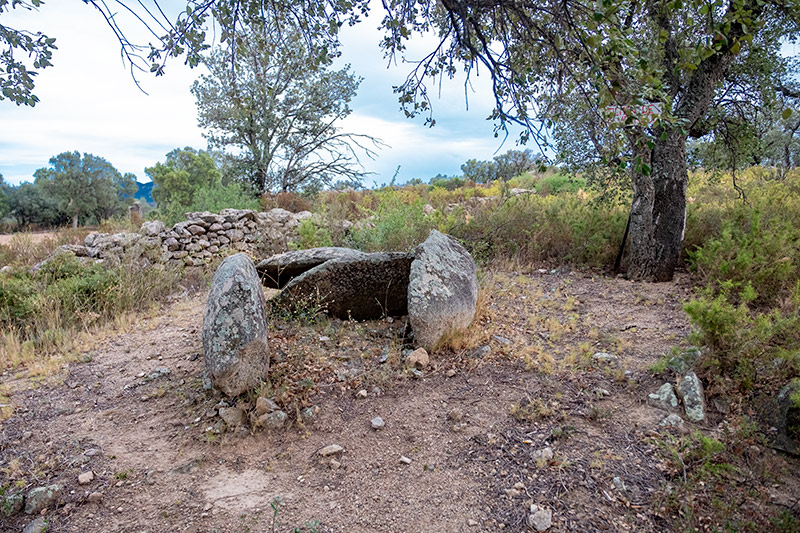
278	270
664	398
786	418
235	327
690	390
362	288
39	525
442	290
42	498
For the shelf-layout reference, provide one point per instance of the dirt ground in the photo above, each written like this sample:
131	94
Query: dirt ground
39	236
475	426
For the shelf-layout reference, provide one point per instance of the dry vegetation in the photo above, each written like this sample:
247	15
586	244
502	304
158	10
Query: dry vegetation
76	342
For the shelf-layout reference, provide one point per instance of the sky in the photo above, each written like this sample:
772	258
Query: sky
89	103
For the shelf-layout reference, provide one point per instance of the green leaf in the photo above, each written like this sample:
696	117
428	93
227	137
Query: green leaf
786	113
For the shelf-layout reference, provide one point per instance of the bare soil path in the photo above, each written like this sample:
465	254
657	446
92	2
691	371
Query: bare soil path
475	425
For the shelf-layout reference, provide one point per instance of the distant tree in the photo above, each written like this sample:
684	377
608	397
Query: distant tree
82	186
514	163
274	112
185	171
30	204
4	206
480	171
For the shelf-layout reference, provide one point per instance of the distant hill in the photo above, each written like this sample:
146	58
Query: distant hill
145	192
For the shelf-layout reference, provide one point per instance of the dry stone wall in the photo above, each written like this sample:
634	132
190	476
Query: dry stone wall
194	241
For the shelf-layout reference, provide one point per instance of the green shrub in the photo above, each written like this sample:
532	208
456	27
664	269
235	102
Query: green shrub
18	297
397	224
311	235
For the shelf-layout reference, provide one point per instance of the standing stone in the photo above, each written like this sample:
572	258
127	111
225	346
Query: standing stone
235	327
691	391
442	290
785	417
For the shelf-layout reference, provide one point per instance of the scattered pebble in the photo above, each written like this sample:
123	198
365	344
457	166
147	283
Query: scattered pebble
418	359
451	372
330	449
85	478
540	518
377	423
472	523
603	357
456	415
361	394
405	460
543	456
95	497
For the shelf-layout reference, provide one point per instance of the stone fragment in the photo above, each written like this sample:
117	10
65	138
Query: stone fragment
42	498
672	421
405	460
94	497
682	362
442	290
39	525
331	449
785	417
690	390
85	478
233	416
235	340
309	414
377	423
273	420
196	229
418	359
540	519
603	357
265	405
664	398
455	414
152	228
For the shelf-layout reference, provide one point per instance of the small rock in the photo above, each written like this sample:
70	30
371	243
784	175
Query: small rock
603	357
451	372
95	497
331	449
233	416
273	420
512	493
480	351
543	456
265	405
601	392
309	414
416	374
501	340
377	423
691	391
39	525
619	484
418	359
519	486
334	464
540	519
456	414
361	394
672	421
472	523
664	398
42	498
405	460
12	504
85	478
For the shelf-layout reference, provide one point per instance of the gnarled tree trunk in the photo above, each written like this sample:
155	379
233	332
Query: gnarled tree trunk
658	213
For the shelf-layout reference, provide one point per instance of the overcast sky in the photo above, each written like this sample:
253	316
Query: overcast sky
89	103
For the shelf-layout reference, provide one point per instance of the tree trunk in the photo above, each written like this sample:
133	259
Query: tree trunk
75	221
658	213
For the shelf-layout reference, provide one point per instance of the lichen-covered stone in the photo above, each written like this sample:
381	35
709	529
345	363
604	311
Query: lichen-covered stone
786	418
235	328
42	498
664	398
442	290
362	288
690	390
280	269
